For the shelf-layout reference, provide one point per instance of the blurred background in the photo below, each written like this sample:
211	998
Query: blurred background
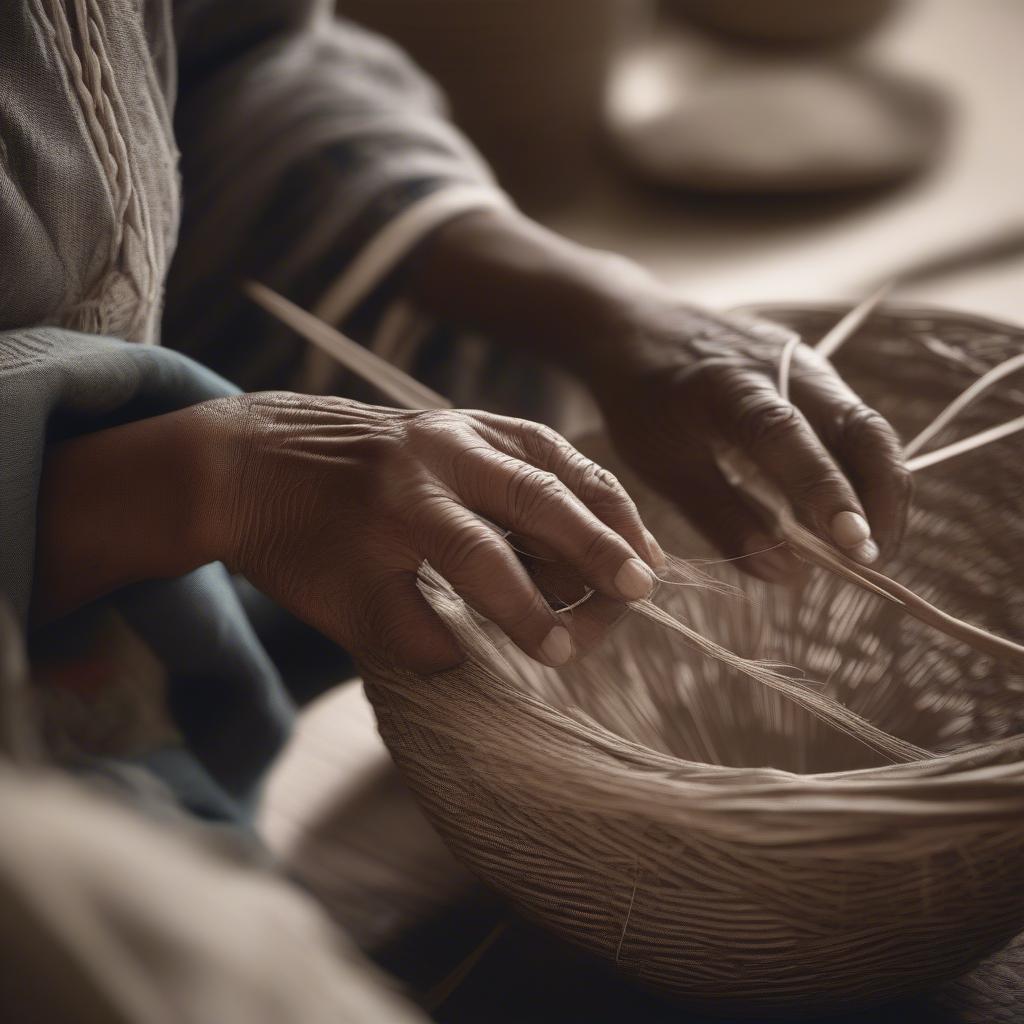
748	150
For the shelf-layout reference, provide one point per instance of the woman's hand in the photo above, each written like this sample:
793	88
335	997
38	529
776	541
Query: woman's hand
676	384
682	384
329	506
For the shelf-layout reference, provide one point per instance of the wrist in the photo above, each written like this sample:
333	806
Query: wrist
115	507
500	273
161	460
210	442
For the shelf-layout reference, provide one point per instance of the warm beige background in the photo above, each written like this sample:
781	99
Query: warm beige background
970	49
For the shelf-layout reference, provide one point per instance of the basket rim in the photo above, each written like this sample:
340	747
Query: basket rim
892	308
980	788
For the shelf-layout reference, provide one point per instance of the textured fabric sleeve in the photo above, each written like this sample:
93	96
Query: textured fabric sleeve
314	156
55	383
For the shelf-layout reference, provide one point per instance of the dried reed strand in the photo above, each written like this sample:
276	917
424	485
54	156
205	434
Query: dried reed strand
964	401
798	691
403	389
803	542
968	444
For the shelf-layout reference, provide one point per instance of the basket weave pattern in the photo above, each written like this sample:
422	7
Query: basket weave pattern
711	838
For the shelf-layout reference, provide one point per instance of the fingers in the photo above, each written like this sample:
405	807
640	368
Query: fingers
486	574
718	511
605	497
866	447
777	436
535	503
599	492
873	458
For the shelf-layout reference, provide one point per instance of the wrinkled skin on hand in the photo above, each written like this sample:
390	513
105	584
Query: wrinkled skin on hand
683	382
677	385
329	506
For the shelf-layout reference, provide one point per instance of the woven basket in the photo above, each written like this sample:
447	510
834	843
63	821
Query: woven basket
706	835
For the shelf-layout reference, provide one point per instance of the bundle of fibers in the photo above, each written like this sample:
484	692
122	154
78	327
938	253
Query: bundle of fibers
762	801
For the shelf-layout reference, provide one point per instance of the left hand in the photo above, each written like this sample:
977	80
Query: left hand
680	382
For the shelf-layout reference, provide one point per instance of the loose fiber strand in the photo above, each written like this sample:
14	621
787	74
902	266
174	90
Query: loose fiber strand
823	708
962	401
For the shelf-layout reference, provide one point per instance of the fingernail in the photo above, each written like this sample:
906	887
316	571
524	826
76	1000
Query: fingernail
867	552
557	647
850	530
658	559
634	580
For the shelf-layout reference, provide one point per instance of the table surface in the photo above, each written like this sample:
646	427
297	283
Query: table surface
733	254
336	810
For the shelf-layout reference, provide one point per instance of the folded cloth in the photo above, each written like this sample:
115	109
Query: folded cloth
56	383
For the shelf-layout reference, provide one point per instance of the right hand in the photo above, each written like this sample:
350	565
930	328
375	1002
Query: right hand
329	506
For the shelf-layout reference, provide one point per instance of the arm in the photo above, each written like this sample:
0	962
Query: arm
330	506
367	144
116	507
674	381
55	383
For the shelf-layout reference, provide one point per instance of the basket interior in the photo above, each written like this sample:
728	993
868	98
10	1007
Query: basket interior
964	551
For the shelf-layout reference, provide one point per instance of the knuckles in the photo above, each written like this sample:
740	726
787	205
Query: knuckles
431	424
861	426
858	422
532	492
865	430
824	492
466	550
544	441
763	419
587	478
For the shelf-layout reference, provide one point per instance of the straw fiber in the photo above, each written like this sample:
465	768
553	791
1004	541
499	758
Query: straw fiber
733	832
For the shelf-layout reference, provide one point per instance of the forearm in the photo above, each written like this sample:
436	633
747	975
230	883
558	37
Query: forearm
507	276
116	507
